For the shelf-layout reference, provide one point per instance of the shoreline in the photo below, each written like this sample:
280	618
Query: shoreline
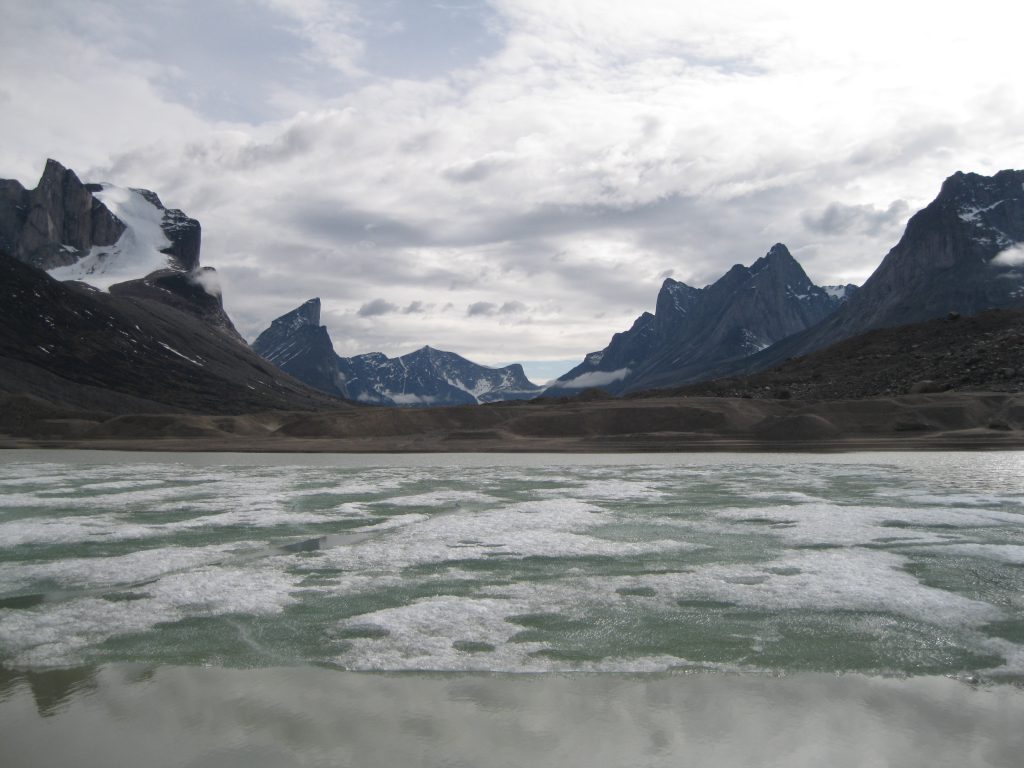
951	421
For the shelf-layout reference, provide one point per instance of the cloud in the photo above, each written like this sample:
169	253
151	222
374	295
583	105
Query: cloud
330	27
594	379
570	153
838	219
1011	257
207	279
376	307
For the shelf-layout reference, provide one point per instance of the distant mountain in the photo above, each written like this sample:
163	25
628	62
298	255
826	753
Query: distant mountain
297	344
963	253
431	376
300	346
692	329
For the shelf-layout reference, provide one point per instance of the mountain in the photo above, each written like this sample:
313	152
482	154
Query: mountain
58	222
73	346
692	329
431	376
300	346
981	353
96	233
297	344
962	254
158	340
122	240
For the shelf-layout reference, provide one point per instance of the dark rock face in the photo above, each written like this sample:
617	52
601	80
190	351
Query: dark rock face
184	233
745	311
946	260
297	344
122	352
57	222
300	346
983	352
961	255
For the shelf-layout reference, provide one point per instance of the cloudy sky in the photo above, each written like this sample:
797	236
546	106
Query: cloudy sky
512	179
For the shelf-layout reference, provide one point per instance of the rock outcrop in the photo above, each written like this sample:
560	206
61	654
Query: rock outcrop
56	223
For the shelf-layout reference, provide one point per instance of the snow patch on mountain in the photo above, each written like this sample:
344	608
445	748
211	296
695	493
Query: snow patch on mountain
136	253
1010	257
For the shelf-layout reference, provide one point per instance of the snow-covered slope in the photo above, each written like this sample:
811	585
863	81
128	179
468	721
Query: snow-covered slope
432	377
99	234
139	250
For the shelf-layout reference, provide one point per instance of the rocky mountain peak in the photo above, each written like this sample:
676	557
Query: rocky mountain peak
305	315
56	223
741	313
75	230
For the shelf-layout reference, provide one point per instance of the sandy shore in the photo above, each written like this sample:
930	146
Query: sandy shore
947	421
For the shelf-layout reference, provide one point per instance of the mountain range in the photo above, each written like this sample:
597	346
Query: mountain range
104	306
300	346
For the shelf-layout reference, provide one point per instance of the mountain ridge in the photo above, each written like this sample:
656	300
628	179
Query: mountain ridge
744	311
300	346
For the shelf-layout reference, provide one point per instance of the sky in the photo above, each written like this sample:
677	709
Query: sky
512	180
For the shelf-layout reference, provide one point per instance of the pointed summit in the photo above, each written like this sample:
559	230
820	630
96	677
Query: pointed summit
307	314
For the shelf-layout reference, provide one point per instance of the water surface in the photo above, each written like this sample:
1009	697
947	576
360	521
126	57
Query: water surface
748	582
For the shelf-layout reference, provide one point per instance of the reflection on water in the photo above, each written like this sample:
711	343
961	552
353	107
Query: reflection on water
50	688
190	716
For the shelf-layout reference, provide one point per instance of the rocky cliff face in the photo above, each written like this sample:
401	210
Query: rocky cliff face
300	346
96	233
183	233
297	344
121	240
56	223
962	254
692	329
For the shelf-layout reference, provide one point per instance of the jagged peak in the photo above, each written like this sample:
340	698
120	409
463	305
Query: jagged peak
674	285
56	173
53	167
970	186
307	314
778	255
778	251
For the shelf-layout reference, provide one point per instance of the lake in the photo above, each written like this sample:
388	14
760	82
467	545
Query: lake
222	609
